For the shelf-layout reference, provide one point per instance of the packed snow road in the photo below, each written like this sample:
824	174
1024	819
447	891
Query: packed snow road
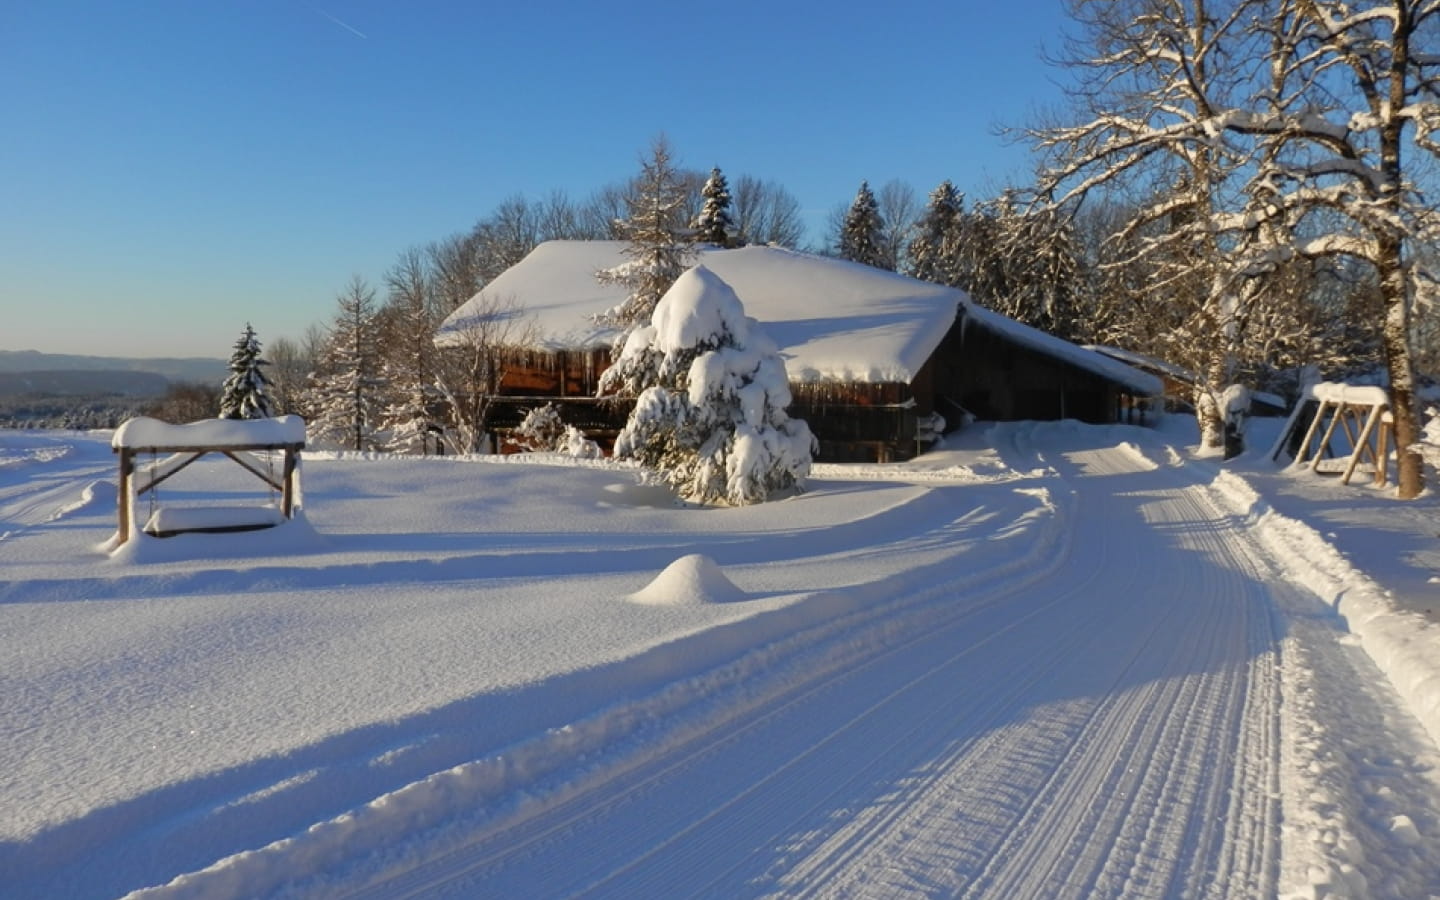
1061	661
1112	728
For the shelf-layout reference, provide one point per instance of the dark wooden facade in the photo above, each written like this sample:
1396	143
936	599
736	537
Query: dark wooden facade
975	369
994	377
569	379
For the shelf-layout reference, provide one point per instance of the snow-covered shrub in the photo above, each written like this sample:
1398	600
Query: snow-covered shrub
710	419
574	443
542	430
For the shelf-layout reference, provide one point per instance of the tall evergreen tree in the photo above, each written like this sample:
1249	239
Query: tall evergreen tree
862	234
410	361
936	244
658	246
1024	263
245	394
713	225
347	387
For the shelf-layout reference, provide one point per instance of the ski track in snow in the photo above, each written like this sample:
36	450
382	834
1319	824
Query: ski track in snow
1158	772
1121	695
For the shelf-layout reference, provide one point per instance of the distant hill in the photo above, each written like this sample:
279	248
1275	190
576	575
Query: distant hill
65	367
92	383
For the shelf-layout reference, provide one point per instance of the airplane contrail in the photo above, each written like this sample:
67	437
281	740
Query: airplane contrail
345	25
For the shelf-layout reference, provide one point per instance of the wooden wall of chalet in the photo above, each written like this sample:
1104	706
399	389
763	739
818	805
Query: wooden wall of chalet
853	422
997	379
857	422
569	379
562	373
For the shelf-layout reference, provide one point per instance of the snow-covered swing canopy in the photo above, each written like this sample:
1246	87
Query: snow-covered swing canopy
1353	424
236	439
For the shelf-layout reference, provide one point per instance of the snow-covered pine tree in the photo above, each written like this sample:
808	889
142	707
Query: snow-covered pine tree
714	225
933	249
245	394
658	246
713	424
346	387
862	234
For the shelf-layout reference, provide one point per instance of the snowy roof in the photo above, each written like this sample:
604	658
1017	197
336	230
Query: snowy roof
832	319
1143	361
141	432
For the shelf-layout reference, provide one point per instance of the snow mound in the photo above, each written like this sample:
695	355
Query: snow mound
689	580
636	493
97	495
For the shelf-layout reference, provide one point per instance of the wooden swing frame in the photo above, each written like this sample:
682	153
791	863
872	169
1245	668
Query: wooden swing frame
1363	414
288	484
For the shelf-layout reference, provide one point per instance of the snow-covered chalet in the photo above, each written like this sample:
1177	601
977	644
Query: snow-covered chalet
878	362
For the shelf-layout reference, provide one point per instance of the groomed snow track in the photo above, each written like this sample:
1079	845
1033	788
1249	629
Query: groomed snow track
1118	695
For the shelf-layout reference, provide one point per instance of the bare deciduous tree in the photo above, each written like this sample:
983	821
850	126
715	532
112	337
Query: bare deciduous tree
456	273
899	209
1154	75
290	366
766	213
1354	86
475	354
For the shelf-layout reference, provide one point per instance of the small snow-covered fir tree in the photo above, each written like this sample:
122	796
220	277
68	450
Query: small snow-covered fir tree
245	394
713	225
712	423
862	234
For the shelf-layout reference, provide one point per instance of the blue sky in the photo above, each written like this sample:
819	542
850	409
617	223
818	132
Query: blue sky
172	169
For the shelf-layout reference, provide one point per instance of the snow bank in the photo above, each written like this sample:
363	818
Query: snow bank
1405	645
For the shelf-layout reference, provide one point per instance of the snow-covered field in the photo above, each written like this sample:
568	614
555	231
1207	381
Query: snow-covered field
1048	661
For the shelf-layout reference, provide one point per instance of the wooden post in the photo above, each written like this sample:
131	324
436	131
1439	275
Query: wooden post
287	493
1329	432
1362	443
127	492
1304	451
1382	455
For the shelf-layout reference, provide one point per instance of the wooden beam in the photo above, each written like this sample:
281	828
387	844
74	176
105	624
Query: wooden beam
1362	445
157	479
249	463
1335	419
1304	451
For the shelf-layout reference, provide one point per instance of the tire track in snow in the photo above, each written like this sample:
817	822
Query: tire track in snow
548	832
1114	785
30	495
